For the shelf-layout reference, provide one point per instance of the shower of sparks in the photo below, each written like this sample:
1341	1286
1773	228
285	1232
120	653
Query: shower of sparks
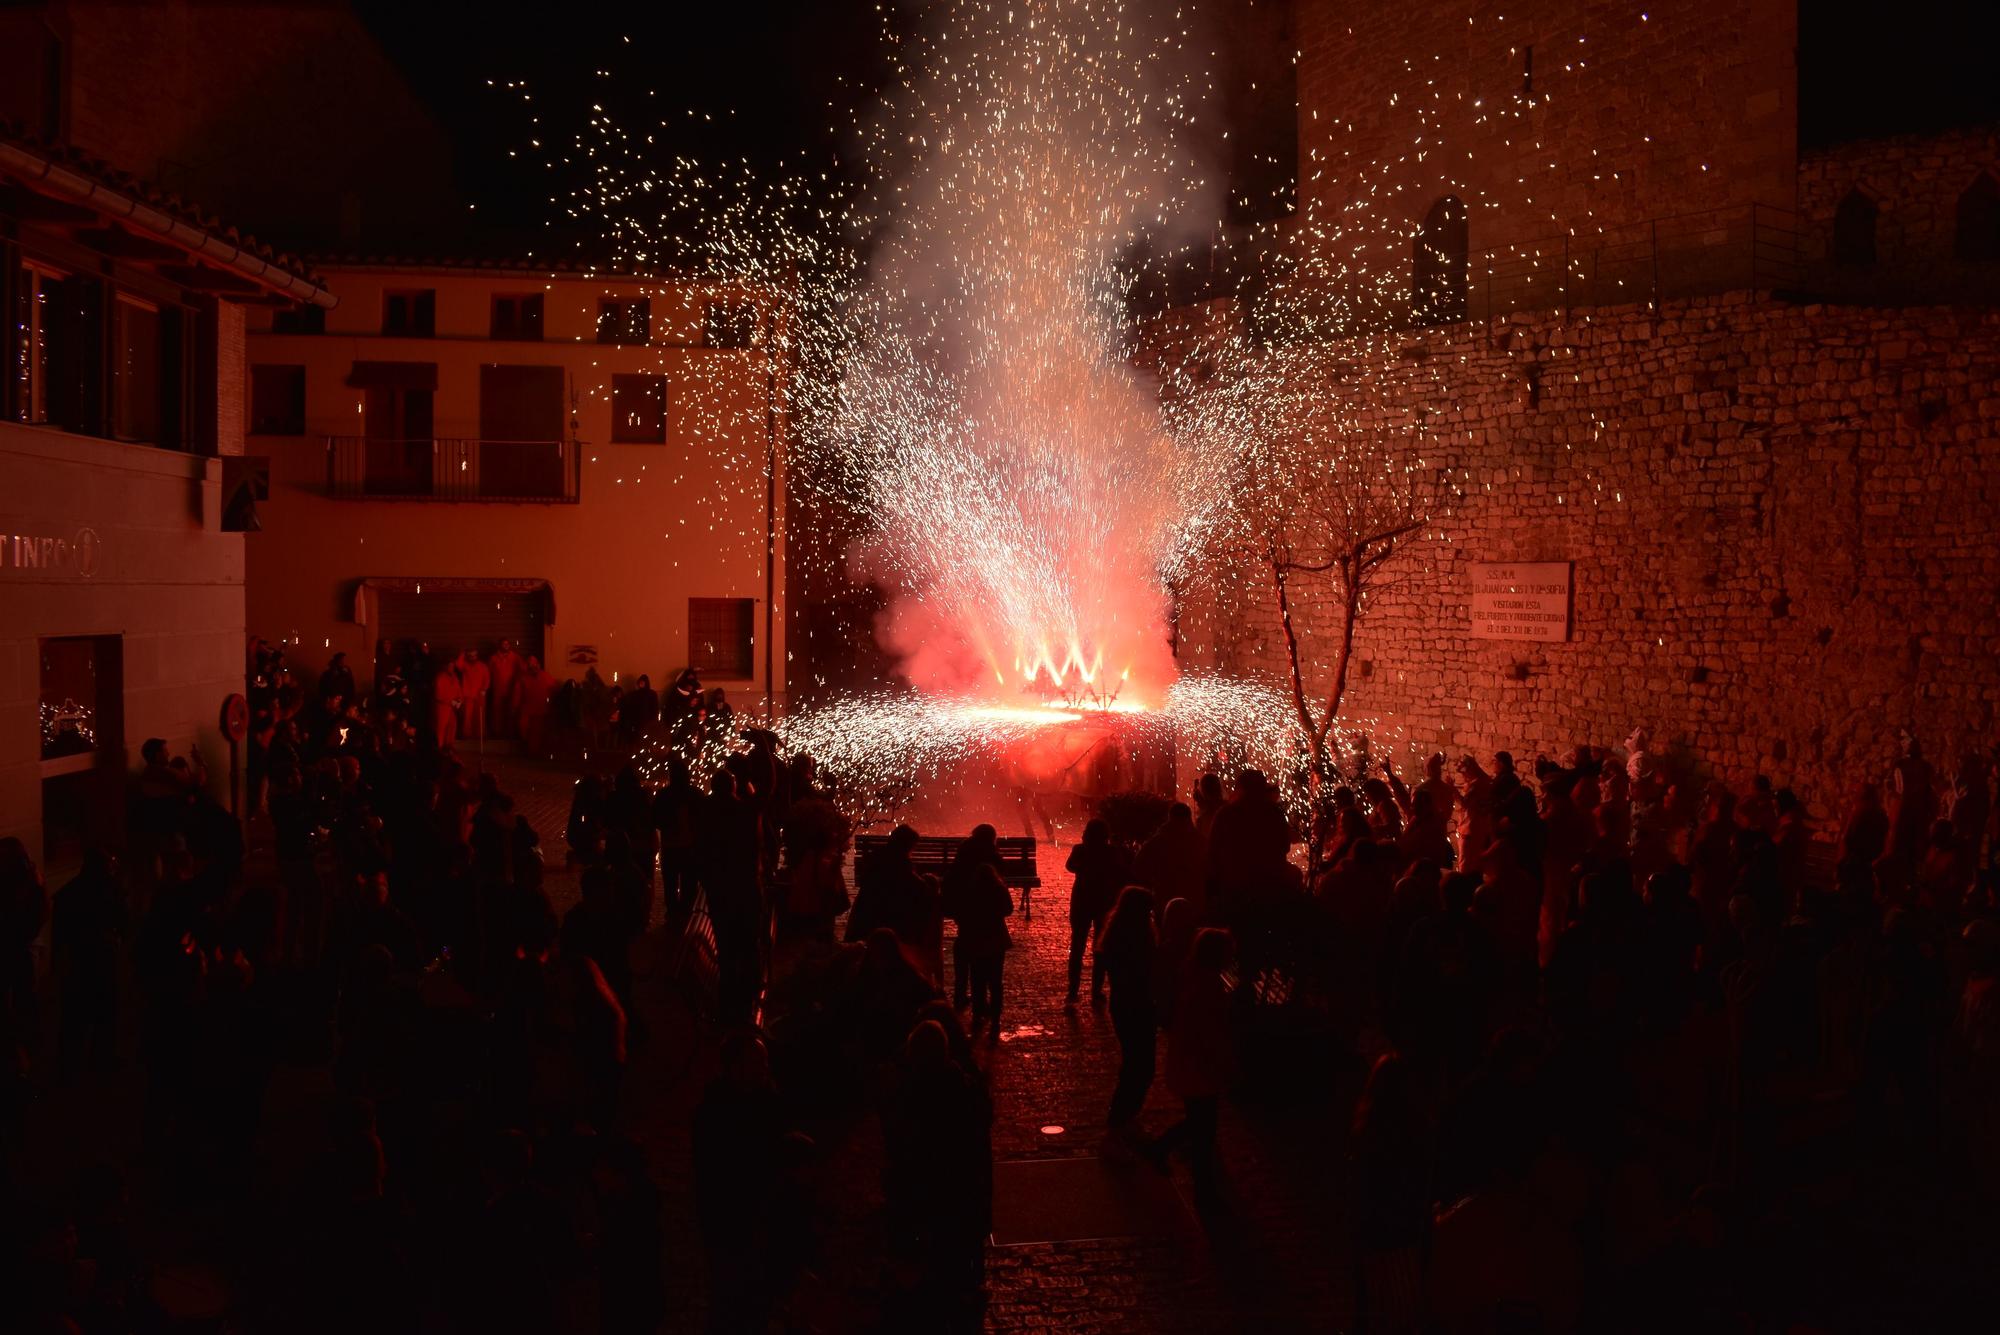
1017	476
1042	479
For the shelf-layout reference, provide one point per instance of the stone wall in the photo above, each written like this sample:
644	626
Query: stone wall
1914	182
1621	113
1783	520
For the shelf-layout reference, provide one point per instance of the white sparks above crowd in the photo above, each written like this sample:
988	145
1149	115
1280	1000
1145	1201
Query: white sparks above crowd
1042	484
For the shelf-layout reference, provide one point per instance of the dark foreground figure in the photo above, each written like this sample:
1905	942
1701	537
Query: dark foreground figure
1588	1045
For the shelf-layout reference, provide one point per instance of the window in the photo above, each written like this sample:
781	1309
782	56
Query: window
32	323
299	320
1437	280
135	369
82	708
518	317
277	400
1978	236
81	695
410	314
639	409
100	362
720	640
729	324
58	336
625	320
1854	231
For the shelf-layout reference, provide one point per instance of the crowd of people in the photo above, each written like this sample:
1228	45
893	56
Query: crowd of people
1602	998
458	699
1585	1001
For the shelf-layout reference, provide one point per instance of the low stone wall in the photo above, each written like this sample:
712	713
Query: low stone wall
1784	523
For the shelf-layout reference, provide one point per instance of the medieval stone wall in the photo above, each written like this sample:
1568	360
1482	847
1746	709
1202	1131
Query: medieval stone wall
1783	520
1563	116
1914	183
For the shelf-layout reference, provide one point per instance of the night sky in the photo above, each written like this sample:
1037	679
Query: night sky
768	71
779	78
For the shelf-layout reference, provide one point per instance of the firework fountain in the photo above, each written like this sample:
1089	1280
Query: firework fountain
964	385
962	380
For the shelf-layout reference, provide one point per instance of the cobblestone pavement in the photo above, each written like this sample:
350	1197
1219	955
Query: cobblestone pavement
1274	1260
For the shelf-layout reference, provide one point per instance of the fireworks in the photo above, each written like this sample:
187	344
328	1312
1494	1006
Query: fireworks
960	374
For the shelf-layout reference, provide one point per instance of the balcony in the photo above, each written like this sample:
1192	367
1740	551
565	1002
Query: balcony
369	468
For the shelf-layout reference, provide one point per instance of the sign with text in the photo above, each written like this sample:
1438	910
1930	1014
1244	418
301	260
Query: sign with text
1520	600
75	555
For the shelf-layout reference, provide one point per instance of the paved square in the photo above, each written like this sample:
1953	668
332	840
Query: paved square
1083	1197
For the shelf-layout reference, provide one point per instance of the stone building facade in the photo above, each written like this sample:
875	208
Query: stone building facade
1561	117
590	466
1909	216
1781	520
1777	491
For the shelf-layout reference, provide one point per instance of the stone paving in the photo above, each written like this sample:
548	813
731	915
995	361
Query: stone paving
1275	1260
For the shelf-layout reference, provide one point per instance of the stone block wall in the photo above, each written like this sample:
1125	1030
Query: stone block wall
1621	113
1914	182
1785	524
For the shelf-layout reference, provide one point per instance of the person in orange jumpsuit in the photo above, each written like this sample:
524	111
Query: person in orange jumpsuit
533	689
447	696
475	681
503	714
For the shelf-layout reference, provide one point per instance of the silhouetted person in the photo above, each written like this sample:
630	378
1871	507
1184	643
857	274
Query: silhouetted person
979	849
1099	870
1208	804
1129	952
938	1180
1392	1196
475	689
676	813
1247	849
23	905
1445	988
631	1284
1173	864
731	861
503	713
336	684
889	892
1201	1061
596	927
739	1135
87	928
1864	835
518	1248
816	838
638	711
983	942
1913	803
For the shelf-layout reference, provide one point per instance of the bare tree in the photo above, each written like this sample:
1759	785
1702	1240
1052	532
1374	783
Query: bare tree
1320	476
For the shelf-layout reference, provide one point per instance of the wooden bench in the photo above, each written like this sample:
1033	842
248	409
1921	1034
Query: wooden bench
934	854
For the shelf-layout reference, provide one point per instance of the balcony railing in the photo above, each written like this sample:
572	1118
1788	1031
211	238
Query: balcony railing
453	469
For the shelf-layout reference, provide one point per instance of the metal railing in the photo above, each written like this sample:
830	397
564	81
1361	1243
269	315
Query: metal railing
1742	247
1749	246
452	468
